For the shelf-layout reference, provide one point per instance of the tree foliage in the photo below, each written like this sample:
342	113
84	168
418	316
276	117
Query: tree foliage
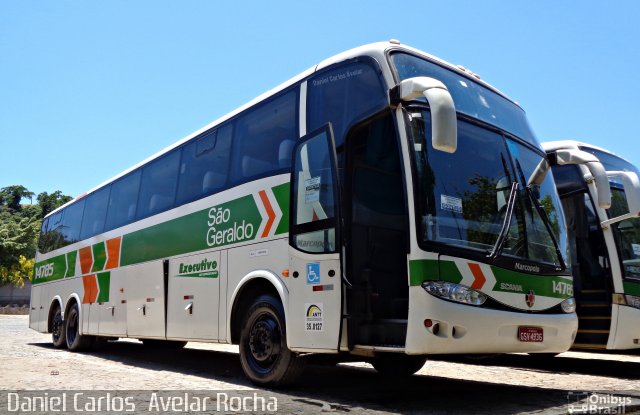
19	229
50	202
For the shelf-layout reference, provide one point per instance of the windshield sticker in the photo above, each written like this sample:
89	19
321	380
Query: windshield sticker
450	203
636	249
312	190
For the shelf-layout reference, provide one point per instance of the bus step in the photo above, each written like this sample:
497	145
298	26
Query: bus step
594	323
593	309
592	337
593	331
589	346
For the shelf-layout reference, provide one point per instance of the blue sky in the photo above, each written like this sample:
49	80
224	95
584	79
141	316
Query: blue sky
88	89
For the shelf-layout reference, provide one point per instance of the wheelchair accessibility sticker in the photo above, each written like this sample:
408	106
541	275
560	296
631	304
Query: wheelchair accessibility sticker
313	272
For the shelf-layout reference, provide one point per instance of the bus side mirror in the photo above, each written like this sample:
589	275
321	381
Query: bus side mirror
598	173
444	123
631	184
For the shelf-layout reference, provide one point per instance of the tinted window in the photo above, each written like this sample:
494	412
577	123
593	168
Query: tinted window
123	200
95	213
205	164
342	96
71	220
469	97
158	188
265	137
50	237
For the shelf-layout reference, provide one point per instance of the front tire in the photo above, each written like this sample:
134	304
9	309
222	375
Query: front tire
76	342
266	360
58	337
398	365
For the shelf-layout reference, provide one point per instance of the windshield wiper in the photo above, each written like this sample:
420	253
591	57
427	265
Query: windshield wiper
506	223
542	213
547	224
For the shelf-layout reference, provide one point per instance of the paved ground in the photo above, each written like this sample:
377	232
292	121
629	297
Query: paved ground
505	384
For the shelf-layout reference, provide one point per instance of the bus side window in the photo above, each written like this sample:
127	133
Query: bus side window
263	136
71	220
123	200
205	164
158	185
342	96
95	213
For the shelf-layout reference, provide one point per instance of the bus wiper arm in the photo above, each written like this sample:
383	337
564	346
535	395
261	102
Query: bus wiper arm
506	223
545	219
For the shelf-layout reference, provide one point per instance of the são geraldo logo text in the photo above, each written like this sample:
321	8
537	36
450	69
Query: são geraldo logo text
222	231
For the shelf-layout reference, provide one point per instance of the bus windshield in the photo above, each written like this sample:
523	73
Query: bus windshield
463	198
626	234
470	97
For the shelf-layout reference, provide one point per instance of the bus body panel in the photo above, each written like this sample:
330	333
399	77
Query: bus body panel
194	296
113	313
627	330
462	329
314	311
145	300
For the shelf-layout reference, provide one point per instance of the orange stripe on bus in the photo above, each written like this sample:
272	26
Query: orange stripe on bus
479	278
113	252
86	259
90	283
270	213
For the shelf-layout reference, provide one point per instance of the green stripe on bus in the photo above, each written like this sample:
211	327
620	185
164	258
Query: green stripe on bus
423	270
545	285
281	193
555	286
99	257
225	224
631	288
50	269
71	264
104	282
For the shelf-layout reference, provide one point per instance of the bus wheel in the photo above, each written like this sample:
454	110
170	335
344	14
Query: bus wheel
264	355
75	341
398	365
58	337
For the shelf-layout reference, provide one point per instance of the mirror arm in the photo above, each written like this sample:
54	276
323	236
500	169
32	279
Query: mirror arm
444	120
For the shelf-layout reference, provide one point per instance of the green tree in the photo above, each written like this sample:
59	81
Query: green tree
19	229
50	202
12	196
18	236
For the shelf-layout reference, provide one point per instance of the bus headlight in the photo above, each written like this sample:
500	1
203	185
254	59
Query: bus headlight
568	305
454	292
628	300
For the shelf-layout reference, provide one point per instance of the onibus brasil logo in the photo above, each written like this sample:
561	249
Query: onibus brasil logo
202	269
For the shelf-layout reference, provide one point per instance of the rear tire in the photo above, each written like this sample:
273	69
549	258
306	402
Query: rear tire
266	360
398	365
76	342
58	337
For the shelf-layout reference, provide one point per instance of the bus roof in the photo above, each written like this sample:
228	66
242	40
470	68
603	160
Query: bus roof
560	144
376	50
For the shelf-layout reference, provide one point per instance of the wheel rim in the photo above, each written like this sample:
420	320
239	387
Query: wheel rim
56	331
72	326
264	343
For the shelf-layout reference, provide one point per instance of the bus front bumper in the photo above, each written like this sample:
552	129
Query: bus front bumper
460	328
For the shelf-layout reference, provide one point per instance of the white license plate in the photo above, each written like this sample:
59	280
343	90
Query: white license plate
530	334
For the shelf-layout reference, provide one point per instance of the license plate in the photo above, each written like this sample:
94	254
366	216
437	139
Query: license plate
530	334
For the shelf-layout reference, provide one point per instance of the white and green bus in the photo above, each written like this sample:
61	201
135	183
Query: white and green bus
378	204
605	243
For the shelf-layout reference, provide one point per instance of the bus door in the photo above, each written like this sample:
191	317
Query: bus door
314	311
